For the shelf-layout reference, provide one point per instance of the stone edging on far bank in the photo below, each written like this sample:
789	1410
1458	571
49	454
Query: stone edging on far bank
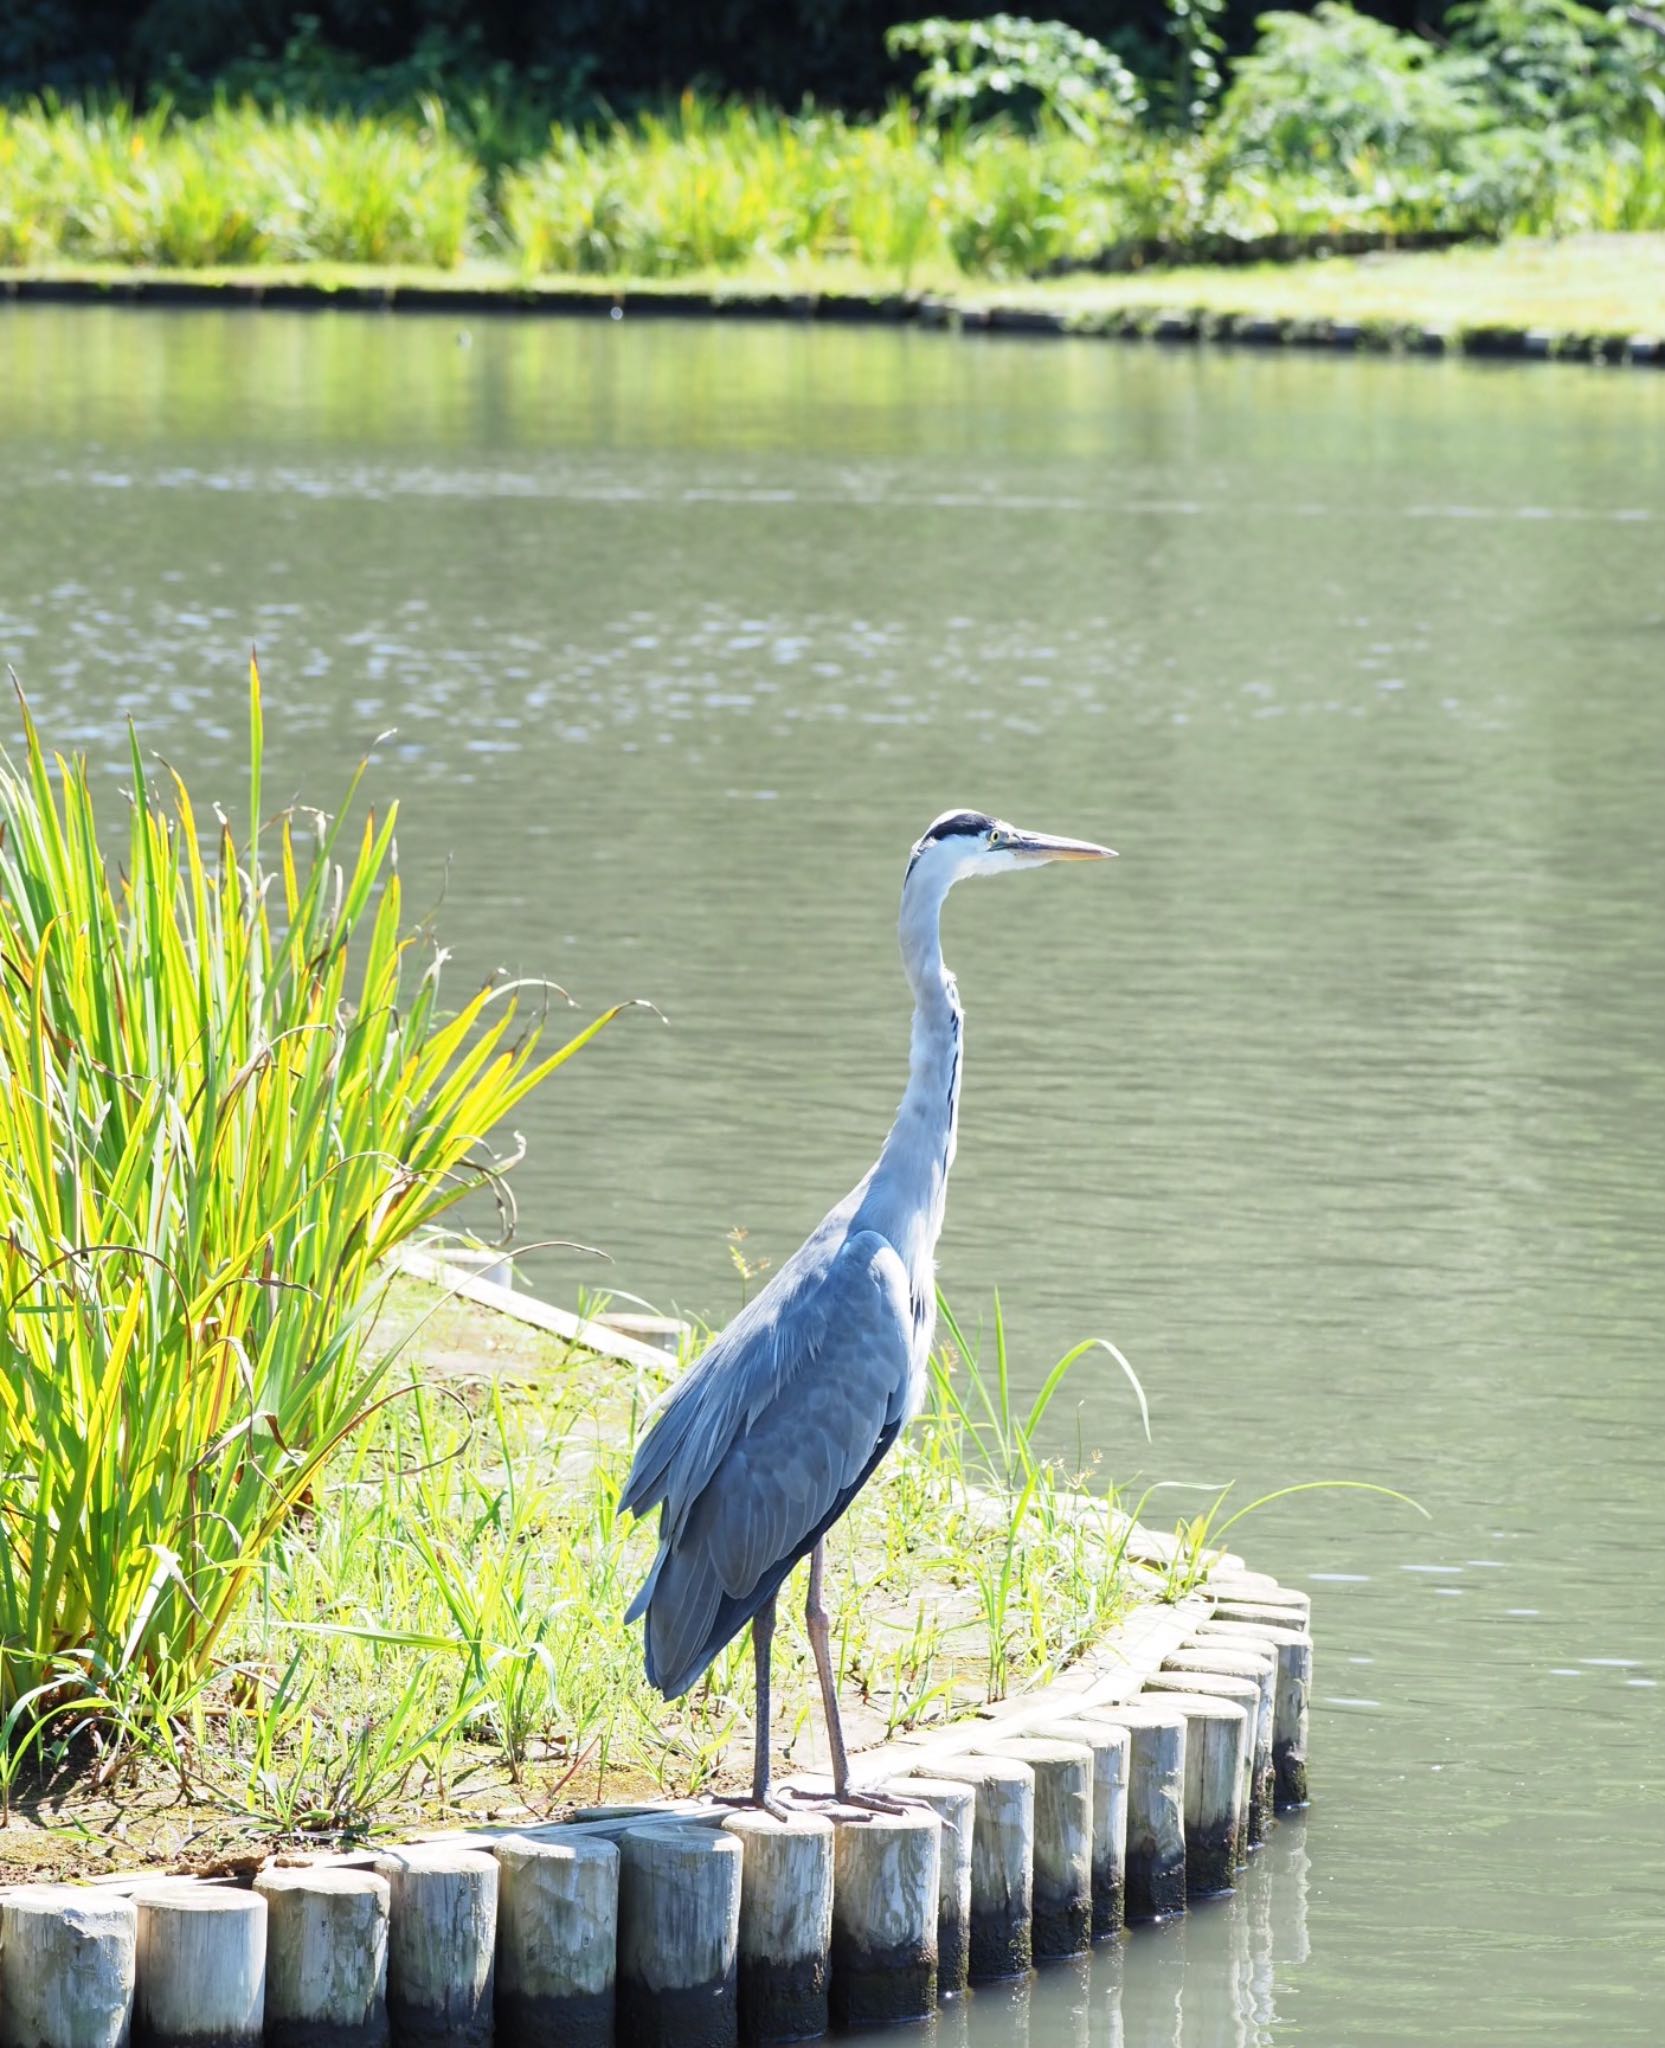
1173	325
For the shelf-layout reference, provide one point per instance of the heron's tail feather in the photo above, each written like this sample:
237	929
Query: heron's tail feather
644	1593
683	1601
690	1612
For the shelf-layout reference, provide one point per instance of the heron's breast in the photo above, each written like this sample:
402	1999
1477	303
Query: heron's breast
924	1298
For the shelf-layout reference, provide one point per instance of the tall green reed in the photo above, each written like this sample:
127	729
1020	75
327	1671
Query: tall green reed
719	187
237	186
227	1092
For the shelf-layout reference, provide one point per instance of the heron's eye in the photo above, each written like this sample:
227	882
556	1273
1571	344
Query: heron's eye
996	837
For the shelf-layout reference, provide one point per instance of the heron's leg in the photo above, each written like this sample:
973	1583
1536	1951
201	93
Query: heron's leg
763	1636
820	1641
762	1639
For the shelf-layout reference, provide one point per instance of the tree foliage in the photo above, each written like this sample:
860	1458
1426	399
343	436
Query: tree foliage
1002	59
1330	86
561	55
1556	61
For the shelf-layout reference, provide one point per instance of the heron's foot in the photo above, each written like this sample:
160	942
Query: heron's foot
754	1802
859	1805
881	1802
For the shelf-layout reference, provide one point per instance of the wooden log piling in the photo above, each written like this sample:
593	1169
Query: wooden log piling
1108	1742
884	1919
441	1946
1293	1648
1260	1612
66	1968
1260	1589
1002	1863
199	1967
955	1806
1061	1899
557	1932
1216	1629
1028	1833
1289	1723
1258	1642
1218	1744
326	1957
1156	1754
679	1936
1242	1692
786	1925
1261	1666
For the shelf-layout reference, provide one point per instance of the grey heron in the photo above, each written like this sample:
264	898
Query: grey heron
768	1437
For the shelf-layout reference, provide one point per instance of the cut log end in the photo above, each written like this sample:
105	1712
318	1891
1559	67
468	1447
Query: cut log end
66	1968
1000	1934
442	1946
955	1805
786	1920
200	1968
326	1957
885	1904
679	1936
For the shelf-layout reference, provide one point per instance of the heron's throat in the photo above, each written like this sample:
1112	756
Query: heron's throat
909	1187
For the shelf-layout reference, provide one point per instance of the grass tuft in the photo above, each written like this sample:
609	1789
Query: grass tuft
104	184
226	1094
731	189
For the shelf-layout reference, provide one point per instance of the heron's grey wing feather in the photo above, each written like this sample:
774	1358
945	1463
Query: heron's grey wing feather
778	1481
688	1431
811	1426
738	1373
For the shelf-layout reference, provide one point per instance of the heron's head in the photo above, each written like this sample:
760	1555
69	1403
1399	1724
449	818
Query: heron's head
962	843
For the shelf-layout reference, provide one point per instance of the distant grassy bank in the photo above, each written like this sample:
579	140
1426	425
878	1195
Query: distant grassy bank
1590	295
1028	172
1335	135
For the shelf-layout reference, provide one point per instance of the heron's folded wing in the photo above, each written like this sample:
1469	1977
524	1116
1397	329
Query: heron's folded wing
803	1454
815	1298
799	1437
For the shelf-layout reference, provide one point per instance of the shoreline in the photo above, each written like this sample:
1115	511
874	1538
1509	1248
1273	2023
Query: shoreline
1132	1784
1133	1788
465	1326
1403	304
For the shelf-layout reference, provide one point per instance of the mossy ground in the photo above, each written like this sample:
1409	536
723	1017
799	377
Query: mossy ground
441	1640
1585	285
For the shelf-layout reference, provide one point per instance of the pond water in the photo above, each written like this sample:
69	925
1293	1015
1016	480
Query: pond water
1339	1102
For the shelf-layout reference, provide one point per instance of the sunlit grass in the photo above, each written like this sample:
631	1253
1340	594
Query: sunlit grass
729	189
237	186
445	1634
474	1559
728	186
1597	284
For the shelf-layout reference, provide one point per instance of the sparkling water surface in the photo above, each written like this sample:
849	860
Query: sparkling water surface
1338	1103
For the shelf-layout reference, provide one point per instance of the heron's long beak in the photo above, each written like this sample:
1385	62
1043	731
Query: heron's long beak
1044	846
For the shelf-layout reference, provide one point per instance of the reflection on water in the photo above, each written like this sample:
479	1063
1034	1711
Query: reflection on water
1222	1976
1339	1103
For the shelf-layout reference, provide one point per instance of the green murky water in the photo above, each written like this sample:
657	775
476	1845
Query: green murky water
1339	1103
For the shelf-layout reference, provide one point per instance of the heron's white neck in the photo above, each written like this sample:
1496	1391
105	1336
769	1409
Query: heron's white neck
908	1187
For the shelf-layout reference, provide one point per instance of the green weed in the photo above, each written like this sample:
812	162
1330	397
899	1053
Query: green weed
226	1094
103	184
